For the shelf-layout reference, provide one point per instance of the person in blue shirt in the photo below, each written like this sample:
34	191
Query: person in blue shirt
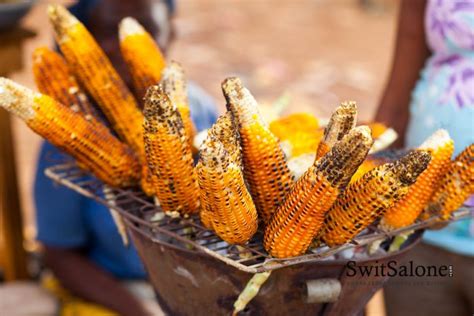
431	87
80	240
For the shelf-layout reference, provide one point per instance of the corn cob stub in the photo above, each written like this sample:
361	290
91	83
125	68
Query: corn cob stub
174	83
226	204
141	54
168	154
265	167
407	210
455	186
54	78
297	221
342	121
96	73
91	144
368	198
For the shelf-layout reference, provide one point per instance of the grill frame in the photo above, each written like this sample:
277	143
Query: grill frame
137	210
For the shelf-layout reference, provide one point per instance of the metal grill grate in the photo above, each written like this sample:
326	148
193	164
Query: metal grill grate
140	213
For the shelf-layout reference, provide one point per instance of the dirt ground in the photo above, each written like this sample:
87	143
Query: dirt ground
317	52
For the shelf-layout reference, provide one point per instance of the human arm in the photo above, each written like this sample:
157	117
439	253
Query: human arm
77	273
65	234
411	52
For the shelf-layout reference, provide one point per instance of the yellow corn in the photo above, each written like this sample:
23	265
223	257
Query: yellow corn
265	166
369	163
54	78
296	122
300	131
455	186
407	210
378	129
93	146
226	204
342	121
368	198
145	63
297	221
95	72
168	154
141	54
174	84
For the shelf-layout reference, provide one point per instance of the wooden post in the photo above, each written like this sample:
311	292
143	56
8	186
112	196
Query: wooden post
12	252
11	224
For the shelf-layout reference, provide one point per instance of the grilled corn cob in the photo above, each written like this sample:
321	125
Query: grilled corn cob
168	154
94	70
265	166
226	205
91	144
407	210
141	54
174	84
455	186
54	78
368	198
297	221
342	121
225	131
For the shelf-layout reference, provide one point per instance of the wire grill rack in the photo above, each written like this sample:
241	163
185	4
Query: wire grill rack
140	213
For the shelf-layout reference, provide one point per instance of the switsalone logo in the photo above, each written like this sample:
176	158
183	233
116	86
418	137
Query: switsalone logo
393	268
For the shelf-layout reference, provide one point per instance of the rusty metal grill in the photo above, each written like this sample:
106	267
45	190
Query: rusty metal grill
140	213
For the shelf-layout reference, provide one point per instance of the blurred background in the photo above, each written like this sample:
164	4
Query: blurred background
315	52
318	52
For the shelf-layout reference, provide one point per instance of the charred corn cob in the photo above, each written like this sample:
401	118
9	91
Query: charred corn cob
91	144
368	198
342	121
226	205
168	154
297	221
455	186
225	131
54	78
407	210
174	84
141	54
265	166
94	70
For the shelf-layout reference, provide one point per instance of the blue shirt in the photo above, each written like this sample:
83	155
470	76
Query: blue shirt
67	219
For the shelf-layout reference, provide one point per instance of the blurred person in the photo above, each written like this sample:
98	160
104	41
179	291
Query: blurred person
431	86
81	244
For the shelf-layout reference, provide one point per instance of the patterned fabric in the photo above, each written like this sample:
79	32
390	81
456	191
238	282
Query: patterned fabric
444	96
